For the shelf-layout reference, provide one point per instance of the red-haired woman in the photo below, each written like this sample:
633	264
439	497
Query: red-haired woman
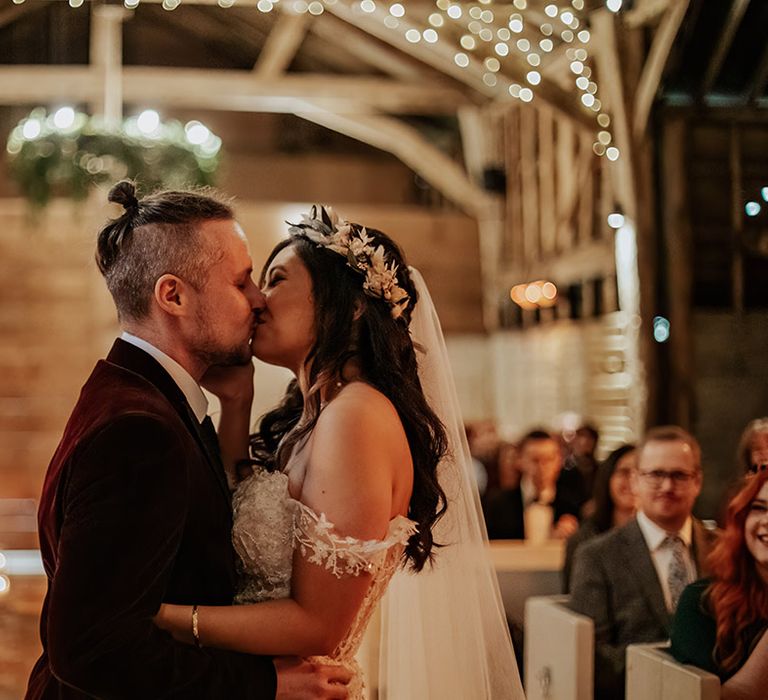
720	623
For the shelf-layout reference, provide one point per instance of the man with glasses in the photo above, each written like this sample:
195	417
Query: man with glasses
630	579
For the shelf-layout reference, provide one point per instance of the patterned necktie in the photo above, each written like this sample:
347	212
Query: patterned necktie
677	574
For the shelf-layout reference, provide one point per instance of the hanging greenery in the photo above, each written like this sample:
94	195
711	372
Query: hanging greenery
66	153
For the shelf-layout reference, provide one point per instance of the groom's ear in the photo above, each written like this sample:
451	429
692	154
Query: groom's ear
172	295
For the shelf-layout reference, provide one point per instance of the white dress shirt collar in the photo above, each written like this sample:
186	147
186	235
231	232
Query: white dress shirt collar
189	387
655	535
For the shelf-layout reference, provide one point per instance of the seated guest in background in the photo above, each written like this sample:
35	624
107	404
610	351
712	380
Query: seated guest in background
753	446
545	482
481	473
614	503
503	505
720	620
629	580
483	441
583	455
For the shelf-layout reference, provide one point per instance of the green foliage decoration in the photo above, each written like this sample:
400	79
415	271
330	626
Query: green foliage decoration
66	153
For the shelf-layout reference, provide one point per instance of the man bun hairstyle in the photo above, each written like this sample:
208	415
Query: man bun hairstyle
124	193
156	235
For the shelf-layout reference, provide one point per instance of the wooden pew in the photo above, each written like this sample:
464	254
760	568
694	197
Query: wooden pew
559	651
653	674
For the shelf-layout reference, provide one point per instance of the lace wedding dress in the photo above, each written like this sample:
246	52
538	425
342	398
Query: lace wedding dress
269	526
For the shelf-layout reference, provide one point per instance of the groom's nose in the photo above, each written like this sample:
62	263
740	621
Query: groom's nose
256	297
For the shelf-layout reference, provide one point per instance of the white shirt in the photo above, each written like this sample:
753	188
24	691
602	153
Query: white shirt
662	556
189	387
531	495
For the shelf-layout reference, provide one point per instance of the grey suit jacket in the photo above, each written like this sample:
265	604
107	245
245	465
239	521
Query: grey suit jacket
615	583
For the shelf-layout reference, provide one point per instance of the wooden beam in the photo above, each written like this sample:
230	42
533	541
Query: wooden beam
568	173
281	45
724	44
513	233
530	185
737	220
441	56
227	90
482	138
678	238
547	200
758	85
107	60
411	148
471	125
366	48
645	12
655	63
10	14
586	213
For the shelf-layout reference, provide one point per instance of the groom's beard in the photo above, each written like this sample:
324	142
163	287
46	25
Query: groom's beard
225	357
210	351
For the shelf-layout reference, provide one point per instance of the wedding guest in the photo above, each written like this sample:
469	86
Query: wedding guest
614	503
480	472
753	446
546	482
503	506
720	621
484	442
583	454
628	580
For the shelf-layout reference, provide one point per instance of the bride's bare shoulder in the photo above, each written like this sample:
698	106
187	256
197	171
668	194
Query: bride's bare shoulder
363	401
364	416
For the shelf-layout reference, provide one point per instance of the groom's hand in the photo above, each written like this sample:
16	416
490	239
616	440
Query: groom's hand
233	384
303	680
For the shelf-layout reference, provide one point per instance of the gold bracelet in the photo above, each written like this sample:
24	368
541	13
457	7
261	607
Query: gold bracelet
195	627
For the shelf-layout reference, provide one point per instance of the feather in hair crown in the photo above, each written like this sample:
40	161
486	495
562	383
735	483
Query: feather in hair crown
323	227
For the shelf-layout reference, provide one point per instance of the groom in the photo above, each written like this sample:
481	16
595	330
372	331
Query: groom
135	509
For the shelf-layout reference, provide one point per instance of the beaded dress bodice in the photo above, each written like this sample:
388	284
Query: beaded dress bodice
269	525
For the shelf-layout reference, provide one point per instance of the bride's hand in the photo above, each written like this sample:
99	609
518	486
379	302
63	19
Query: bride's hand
168	618
230	384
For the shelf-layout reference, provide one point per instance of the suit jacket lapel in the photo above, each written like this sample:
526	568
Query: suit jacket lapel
639	560
135	360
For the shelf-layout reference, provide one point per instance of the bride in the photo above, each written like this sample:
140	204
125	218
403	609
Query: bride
362	484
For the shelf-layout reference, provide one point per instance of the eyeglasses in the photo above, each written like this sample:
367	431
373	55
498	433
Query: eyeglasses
657	477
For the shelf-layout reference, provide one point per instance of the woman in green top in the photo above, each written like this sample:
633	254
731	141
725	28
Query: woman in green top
720	622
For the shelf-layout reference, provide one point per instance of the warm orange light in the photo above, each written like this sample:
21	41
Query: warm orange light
533	292
531	295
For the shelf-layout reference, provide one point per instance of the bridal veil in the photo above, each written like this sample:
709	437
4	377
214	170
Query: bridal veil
444	631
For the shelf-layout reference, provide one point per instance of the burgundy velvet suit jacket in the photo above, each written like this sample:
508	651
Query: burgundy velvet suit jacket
134	513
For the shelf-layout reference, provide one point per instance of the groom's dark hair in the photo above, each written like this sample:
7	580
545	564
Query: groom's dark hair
156	235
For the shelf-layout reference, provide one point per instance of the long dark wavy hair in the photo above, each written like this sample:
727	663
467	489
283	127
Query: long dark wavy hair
350	324
737	596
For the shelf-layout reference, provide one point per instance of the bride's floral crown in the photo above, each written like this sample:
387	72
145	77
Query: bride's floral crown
323	227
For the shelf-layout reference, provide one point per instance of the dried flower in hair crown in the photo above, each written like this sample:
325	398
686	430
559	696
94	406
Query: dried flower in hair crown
323	227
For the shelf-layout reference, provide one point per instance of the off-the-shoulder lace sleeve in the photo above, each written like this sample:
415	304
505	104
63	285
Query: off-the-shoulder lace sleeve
316	539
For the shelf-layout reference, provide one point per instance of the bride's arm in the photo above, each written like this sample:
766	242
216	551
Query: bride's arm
748	682
233	386
355	449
